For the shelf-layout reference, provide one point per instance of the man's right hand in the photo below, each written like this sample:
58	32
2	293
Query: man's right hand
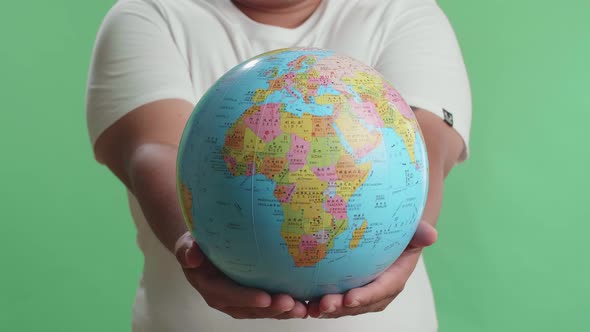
225	295
141	149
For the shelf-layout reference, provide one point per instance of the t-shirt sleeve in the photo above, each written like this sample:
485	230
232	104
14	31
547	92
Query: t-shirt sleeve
424	63
135	61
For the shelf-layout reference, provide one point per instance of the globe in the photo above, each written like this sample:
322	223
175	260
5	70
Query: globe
302	171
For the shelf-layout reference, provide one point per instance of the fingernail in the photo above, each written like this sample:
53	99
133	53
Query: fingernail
330	309
353	304
321	316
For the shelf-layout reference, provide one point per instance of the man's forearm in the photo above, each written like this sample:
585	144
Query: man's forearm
444	147
152	179
140	149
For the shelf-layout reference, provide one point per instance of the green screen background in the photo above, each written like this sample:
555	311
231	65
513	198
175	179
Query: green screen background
512	253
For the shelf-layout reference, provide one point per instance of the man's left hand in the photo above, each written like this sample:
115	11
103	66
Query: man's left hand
377	295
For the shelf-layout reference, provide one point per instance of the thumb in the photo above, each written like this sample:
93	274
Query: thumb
425	236
187	252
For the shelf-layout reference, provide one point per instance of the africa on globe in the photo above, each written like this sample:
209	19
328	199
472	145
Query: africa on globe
302	171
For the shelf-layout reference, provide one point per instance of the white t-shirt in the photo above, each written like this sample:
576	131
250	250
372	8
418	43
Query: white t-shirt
147	50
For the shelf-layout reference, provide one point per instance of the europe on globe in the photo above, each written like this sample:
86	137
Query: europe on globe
302	171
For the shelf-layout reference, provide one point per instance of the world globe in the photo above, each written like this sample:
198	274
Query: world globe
302	171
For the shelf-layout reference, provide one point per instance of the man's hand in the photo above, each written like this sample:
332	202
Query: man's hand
223	294
444	147
377	295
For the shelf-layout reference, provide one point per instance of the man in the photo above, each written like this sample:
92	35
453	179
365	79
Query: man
152	62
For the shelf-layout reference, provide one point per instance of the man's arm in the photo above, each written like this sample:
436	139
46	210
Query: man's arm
444	147
141	149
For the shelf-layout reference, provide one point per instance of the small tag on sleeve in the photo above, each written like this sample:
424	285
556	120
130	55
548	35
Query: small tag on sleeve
448	117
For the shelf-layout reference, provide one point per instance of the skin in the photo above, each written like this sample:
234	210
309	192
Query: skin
141	149
283	13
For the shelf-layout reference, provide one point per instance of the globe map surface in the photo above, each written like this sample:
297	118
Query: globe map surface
302	171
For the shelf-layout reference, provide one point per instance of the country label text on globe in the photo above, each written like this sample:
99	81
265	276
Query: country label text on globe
302	171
